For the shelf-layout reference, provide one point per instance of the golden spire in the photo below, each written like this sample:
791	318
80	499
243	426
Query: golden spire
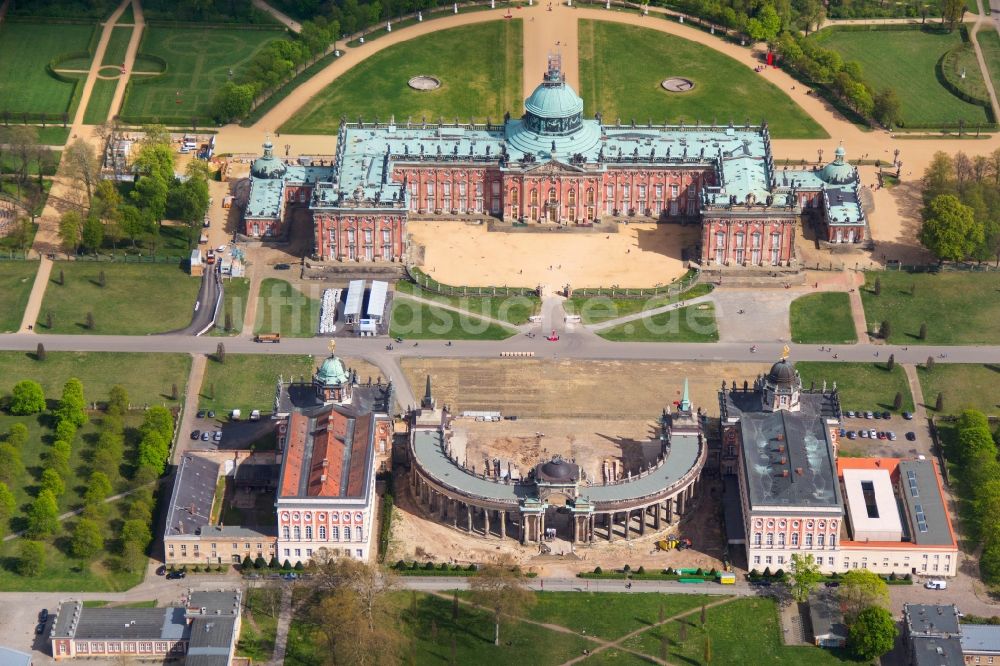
785	352
332	346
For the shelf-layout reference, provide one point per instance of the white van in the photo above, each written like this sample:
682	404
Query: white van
936	584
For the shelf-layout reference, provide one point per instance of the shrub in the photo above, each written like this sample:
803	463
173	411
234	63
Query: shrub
443	566
299	566
286	565
754	573
429	566
641	570
414	565
670	571
399	566
626	568
598	570
767	572
699	572
471	567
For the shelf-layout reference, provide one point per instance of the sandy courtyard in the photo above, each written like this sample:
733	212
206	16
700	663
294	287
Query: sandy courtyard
639	255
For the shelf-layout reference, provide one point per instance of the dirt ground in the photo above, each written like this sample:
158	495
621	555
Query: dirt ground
415	536
591	390
639	255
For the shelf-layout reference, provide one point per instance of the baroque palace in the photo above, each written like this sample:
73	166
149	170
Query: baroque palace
555	167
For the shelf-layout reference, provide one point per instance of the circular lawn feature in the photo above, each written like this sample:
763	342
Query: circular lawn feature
677	84
424	82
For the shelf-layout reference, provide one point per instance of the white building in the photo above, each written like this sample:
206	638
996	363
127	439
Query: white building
327	430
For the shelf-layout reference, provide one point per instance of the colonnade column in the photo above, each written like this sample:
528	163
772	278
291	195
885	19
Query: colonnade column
486	522
468	517
643	514
609	519
454	512
522	528
503	524
628	523
656	517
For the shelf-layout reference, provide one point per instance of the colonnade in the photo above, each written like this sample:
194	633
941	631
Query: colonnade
528	525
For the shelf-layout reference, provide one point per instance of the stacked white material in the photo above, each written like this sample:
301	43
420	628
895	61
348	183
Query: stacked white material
328	311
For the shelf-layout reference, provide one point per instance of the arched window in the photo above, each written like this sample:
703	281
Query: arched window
552	195
513	196
571	198
590	196
298	533
770	538
322	532
781	538
285	533
309	532
756	538
534	197
795	538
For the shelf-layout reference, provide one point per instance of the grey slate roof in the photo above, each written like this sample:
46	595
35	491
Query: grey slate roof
210	642
130	623
226	601
925	502
937	651
191	498
931	619
980	638
826	616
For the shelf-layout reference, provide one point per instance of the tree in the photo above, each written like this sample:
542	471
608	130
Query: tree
974	436
929	364
872	634
40	352
887	108
950	229
57	458
805	576
765	26
989	563
17	436
72	406
885	330
88	541
158	419
878	286
133	556
43	516
952	12
860	589
7	506
27	398
939	403
500	588
220	353
232	101
11	467
117	400
897	402
52	482
70	227
83	166
890	364
31	561
98	488
923	331
92	234
150	195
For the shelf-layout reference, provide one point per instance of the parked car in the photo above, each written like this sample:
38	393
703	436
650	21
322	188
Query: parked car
863	433
40	629
892	436
908	416
936	584
911	436
832	583
872	434
851	434
886	415
211	414
849	414
869	415
195	434
843	432
217	436
205	436
176	575
161	570
281	267
43	615
200	414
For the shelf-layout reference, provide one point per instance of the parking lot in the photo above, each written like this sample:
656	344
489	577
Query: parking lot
218	434
903	429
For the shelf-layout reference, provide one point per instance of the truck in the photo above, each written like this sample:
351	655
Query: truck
267	337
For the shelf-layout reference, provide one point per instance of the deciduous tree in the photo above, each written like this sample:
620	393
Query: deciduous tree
950	229
31	559
872	634
43	516
27	398
88	540
501	588
859	589
805	576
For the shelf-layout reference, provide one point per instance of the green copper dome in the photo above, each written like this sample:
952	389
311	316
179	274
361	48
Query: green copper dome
332	372
268	166
554	99
838	172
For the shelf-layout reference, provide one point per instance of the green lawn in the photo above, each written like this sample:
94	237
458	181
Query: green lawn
513	309
480	77
742	631
597	309
432	630
989	43
862	386
609	615
282	308
16	279
234	305
621	67
53	135
823	318
198	63
117	46
101	96
965	386
147	378
416	321
247	381
695	323
25	85
971	301
259	625
906	60
137	298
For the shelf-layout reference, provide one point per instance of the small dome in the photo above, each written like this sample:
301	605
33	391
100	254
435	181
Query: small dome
332	372
268	166
838	172
554	101
782	374
558	469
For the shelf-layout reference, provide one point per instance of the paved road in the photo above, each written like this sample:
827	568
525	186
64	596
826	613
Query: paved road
204	309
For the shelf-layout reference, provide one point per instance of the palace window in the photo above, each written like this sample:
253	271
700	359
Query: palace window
659	191
552	195
322	532
495	188
833	540
461	189
309	532
720	239
610	192
335	534
756	538
347	534
781	538
674	190
534	197
642	193
627	192
386	235
298	533
571	198
775	248
739	239
770	538
795	539
368	236
809	541
819	540
590	196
